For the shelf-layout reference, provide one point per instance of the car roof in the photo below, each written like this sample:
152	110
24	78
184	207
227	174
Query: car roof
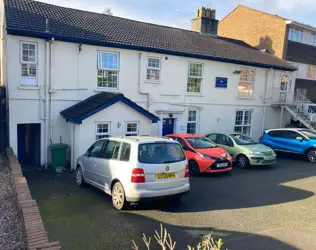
289	129
185	135
137	139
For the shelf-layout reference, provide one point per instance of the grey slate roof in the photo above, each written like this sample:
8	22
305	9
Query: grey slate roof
28	18
96	103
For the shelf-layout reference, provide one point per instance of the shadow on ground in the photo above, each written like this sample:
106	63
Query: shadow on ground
83	218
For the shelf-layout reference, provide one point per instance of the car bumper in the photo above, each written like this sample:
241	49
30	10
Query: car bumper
255	160
218	170
150	195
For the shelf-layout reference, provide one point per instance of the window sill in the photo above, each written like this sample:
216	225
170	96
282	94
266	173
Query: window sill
246	97
106	89
194	94
152	82
28	87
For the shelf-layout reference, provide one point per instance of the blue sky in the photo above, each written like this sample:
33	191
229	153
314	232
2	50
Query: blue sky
178	13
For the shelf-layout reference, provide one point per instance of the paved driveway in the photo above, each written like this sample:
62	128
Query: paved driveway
261	208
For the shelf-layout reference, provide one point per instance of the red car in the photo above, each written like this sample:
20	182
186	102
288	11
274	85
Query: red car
203	155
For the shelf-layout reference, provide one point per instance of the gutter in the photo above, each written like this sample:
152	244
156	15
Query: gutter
140	57
41	35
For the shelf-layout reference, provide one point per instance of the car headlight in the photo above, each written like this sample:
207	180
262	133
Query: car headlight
204	156
227	155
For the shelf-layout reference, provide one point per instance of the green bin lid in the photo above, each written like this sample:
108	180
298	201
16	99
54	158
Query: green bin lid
58	146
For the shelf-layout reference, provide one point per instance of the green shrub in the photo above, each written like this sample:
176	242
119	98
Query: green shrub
165	241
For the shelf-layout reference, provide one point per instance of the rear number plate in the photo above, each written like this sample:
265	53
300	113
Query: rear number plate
222	165
165	176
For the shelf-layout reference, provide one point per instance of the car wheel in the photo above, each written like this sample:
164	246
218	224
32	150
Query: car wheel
79	177
118	196
311	155
242	161
194	169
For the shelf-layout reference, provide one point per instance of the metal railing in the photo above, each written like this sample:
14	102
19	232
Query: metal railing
299	106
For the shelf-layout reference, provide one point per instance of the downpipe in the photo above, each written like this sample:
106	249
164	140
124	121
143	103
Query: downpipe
140	57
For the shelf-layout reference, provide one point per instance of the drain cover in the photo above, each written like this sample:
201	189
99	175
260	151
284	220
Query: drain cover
54	196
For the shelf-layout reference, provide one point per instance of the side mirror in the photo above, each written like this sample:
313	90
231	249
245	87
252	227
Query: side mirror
299	138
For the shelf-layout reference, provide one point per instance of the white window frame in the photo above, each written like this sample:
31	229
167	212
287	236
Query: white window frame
103	133
30	81
159	69
298	38
108	69
313	39
253	83
196	120
132	133
195	77
243	120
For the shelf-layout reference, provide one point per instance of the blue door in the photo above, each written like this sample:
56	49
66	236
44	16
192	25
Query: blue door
167	126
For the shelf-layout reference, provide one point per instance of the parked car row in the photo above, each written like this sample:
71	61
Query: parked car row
136	169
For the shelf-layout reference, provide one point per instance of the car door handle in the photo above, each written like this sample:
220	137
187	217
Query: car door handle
95	165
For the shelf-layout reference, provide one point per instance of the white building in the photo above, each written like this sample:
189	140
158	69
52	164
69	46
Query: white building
55	57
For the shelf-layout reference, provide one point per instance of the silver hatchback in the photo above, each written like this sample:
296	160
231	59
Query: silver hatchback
135	169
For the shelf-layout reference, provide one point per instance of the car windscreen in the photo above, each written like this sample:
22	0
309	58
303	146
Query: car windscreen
160	152
200	142
242	139
310	134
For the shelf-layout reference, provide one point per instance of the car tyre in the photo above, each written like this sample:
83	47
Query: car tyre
243	162
79	177
118	197
194	168
311	155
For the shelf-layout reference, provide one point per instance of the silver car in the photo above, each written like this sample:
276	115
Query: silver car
135	169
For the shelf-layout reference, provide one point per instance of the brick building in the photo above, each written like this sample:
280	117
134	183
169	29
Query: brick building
284	38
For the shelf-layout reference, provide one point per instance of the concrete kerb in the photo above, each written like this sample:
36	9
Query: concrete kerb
33	230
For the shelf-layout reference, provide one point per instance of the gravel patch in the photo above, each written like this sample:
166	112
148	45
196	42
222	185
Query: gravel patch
11	234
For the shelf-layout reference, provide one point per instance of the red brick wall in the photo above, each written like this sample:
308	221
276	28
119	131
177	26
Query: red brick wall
259	29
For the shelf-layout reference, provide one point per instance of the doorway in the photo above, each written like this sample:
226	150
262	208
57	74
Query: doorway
285	87
167	126
29	144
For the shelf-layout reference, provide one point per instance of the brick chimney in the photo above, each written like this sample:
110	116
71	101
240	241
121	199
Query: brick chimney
205	22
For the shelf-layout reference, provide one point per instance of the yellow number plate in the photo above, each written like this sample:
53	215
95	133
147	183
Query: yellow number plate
165	176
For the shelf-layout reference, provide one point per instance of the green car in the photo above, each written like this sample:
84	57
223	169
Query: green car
243	149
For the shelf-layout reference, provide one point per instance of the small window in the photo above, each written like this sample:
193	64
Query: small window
289	134
125	152
246	82
295	34
243	121
108	70
311	71
182	143
153	69
112	150
28	64
224	140
212	137
131	129
313	39
276	133
192	121
160	153
96	149
102	130
195	77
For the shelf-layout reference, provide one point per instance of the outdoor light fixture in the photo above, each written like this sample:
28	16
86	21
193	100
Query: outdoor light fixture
237	72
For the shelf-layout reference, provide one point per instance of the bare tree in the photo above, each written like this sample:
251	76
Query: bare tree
107	11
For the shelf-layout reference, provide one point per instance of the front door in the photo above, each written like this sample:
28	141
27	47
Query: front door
167	126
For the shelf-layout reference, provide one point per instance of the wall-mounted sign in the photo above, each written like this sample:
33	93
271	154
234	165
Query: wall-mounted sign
183	128
221	82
